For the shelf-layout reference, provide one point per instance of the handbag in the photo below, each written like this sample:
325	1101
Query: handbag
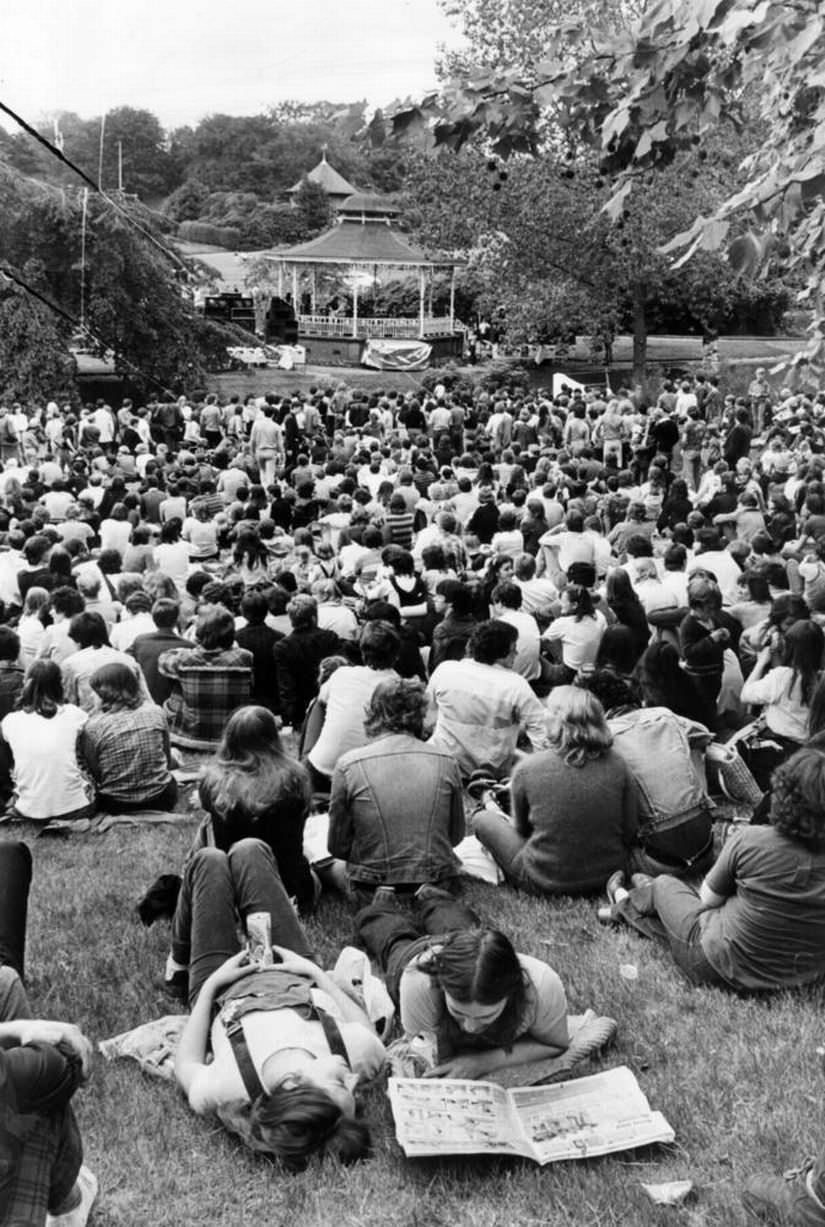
735	777
761	751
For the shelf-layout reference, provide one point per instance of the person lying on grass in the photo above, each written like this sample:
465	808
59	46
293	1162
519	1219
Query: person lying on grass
463	984
758	921
288	1045
43	1180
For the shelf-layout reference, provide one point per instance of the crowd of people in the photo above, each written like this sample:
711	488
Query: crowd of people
559	624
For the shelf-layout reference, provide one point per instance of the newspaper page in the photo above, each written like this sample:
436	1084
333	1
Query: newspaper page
588	1116
451	1116
570	1120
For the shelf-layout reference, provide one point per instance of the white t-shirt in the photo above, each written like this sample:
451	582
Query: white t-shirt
30	631
269	1031
47	777
126	632
784	711
345	695
115	535
528	644
172	558
580	638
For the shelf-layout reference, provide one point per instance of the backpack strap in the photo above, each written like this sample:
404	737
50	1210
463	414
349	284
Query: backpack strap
333	1035
249	1074
240	1050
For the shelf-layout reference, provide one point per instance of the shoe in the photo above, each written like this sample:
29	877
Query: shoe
385	894
606	915
614	882
481	781
641	879
79	1216
437	893
176	979
784	1200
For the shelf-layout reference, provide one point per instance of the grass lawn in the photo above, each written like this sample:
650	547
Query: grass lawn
739	1081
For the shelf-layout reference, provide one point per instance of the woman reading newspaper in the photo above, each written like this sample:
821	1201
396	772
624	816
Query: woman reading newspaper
463	985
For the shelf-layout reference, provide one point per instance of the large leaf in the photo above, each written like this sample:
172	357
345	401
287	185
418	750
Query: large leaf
616	203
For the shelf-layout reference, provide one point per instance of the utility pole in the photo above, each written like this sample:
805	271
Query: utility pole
100	154
83	258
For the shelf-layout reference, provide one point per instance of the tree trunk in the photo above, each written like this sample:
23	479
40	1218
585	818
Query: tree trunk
639	335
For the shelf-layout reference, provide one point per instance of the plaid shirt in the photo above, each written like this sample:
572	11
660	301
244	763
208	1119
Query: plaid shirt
40	1147
126	752
208	687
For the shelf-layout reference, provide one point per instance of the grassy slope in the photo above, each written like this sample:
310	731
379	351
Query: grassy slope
738	1080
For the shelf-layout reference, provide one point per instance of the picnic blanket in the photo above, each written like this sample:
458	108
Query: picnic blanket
100	823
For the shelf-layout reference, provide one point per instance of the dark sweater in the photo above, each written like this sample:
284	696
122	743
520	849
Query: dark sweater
280	825
260	641
579	822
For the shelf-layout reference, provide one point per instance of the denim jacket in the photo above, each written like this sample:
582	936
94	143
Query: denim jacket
396	812
665	754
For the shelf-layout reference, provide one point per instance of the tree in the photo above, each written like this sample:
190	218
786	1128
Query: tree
540	246
137	304
188	202
312	203
35	363
639	97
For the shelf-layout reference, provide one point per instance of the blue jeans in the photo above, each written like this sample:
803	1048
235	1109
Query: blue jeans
218	888
15	880
393	937
679	908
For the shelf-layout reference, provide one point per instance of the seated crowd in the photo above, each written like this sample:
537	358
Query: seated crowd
557	625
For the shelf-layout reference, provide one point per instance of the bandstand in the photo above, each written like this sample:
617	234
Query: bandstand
363	243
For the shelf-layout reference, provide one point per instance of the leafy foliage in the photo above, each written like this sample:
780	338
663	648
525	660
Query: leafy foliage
149	170
34	359
136	306
539	246
312	203
642	96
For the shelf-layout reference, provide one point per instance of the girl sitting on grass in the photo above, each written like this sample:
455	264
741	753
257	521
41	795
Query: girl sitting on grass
758	921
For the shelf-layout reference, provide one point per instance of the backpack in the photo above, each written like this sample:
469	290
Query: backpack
656	746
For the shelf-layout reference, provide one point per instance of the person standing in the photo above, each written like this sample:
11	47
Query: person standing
267	444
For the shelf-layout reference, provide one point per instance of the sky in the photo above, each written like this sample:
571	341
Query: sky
183	59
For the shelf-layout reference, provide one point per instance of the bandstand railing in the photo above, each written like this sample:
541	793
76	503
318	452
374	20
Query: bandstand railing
375	326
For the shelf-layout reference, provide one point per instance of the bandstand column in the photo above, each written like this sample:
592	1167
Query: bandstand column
452	299
355	308
421	289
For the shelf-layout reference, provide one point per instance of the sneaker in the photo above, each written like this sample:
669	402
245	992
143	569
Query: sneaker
385	894
614	883
428	891
176	979
79	1216
481	782
786	1201
606	916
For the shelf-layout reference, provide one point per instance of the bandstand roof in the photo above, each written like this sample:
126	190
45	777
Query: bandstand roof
328	178
363	234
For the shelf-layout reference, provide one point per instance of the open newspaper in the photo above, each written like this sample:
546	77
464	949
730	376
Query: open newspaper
569	1120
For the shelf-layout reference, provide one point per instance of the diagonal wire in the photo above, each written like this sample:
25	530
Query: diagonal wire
11	275
58	153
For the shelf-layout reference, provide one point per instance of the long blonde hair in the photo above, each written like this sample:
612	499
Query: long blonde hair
576	725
